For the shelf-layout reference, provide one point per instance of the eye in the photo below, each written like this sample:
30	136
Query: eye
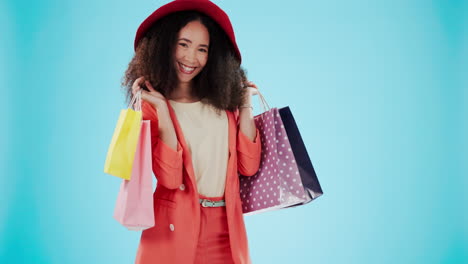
183	45
203	50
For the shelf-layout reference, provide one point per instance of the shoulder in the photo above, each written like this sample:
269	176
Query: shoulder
148	111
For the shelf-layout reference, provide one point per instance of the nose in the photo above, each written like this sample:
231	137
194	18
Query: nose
190	56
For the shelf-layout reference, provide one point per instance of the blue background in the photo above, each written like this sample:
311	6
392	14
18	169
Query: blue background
378	89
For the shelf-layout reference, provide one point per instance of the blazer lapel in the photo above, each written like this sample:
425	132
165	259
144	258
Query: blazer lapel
232	148
187	159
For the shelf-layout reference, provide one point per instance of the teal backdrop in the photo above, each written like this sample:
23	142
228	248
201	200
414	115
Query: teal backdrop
379	90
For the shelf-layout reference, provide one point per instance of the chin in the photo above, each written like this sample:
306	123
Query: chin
186	80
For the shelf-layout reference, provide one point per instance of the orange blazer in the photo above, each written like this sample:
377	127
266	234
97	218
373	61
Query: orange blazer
174	237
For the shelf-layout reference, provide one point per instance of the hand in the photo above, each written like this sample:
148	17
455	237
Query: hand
153	97
251	90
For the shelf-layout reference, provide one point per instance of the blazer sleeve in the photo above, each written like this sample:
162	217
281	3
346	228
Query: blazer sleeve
248	152
167	162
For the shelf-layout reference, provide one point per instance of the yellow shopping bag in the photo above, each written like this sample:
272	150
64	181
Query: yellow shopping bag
121	152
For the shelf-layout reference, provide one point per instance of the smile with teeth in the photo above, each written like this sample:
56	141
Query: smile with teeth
185	69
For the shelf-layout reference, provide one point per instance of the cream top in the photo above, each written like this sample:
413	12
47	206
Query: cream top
206	135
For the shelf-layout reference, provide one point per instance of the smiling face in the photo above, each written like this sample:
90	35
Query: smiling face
191	52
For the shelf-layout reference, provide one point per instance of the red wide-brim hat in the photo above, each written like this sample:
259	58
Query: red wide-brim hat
203	6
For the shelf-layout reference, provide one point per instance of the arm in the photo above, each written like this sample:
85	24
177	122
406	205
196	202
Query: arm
167	152
249	146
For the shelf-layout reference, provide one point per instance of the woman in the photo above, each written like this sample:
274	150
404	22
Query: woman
196	95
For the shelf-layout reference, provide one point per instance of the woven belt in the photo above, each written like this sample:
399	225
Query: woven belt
209	203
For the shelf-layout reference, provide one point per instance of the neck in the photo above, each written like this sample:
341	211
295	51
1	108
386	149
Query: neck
183	93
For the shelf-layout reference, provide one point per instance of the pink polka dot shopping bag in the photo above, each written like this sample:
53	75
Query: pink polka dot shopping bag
286	177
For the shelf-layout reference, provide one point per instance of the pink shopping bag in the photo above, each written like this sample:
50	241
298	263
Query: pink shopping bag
134	207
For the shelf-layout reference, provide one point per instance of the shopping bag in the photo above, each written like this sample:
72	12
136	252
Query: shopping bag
121	152
278	183
306	169
134	206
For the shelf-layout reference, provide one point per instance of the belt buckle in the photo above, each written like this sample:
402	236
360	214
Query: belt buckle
205	201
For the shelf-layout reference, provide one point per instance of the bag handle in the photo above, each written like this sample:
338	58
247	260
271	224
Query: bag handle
263	102
136	99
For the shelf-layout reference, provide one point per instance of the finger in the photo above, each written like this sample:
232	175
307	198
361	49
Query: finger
137	83
253	91
135	90
251	84
140	79
149	86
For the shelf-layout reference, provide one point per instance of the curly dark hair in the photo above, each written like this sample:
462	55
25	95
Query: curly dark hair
221	81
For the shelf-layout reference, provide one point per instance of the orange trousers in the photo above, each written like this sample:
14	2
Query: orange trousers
213	243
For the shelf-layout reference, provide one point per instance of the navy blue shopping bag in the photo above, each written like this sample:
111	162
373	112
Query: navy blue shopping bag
306	170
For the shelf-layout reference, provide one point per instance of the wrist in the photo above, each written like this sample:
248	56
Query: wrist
245	106
161	107
247	98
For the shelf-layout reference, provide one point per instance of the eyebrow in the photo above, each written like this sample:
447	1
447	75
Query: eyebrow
189	41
